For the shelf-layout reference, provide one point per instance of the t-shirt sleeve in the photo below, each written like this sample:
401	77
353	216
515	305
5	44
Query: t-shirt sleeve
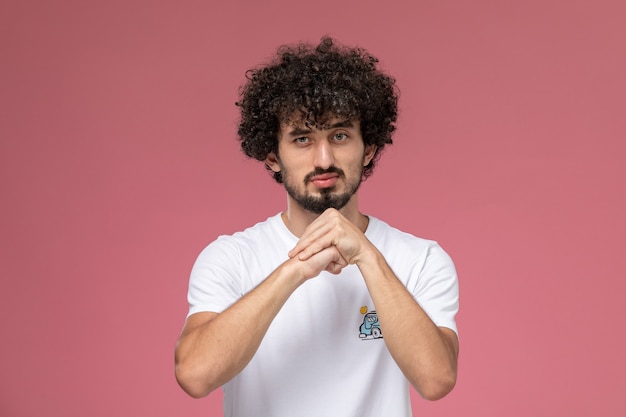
215	283
437	288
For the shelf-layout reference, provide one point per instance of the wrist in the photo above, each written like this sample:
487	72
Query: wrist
292	273
368	255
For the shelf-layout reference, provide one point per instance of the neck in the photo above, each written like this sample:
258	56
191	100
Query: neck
297	219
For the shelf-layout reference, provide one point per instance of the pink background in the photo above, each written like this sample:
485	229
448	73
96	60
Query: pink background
119	163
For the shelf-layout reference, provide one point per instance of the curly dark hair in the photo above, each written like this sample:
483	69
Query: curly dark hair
317	83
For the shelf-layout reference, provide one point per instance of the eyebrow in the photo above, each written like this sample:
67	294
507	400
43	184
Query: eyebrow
298	131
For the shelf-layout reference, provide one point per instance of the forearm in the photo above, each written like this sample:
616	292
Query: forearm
209	353
425	353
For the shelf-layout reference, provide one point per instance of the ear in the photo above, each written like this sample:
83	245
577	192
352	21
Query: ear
370	151
271	161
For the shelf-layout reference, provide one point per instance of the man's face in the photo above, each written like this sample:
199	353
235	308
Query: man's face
321	167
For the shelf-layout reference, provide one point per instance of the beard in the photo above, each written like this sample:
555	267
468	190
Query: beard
327	198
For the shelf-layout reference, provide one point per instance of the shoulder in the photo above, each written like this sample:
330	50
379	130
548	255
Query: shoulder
399	246
261	236
380	231
262	230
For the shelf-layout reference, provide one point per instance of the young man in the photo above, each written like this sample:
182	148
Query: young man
319	310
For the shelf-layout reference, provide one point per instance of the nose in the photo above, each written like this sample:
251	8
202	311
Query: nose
323	155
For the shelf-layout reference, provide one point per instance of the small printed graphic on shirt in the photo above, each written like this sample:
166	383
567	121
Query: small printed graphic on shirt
369	328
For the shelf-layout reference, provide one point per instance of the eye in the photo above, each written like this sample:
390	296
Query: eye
339	137
301	140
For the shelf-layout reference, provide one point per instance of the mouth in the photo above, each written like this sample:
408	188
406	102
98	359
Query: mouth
325	180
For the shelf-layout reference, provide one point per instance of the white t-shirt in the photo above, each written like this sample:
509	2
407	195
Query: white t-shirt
323	354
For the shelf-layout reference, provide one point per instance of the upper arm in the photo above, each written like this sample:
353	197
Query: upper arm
215	279
436	289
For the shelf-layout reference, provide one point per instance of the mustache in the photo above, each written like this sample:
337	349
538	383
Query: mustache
320	171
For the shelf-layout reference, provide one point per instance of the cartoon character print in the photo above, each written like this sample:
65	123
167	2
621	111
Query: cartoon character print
370	328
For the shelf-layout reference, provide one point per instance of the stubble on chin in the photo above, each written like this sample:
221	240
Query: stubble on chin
326	199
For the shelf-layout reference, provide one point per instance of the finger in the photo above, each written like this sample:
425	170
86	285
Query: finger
313	232
315	235
328	259
333	268
337	265
313	248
